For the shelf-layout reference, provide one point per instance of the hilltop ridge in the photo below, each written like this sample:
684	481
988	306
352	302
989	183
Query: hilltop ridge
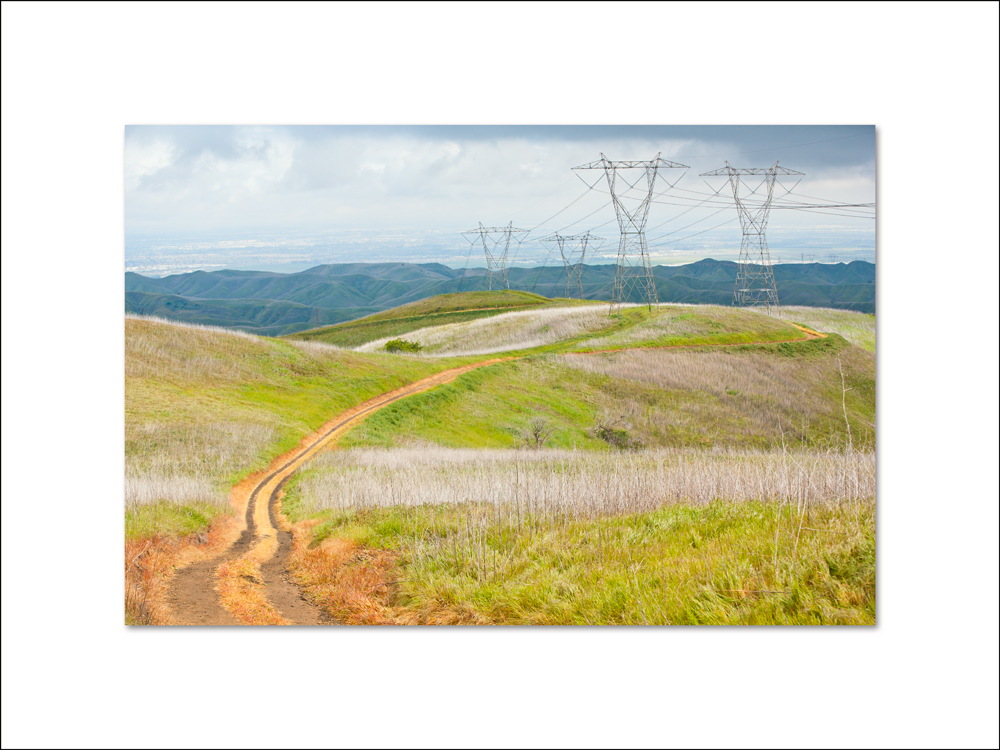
275	304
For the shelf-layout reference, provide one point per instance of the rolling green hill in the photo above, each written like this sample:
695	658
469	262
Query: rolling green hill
433	311
277	304
697	461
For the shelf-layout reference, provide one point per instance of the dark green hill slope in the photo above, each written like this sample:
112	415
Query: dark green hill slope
276	303
265	317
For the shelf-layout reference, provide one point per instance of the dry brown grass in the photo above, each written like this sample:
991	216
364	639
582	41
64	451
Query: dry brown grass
578	484
349	583
755	393
243	593
355	585
150	564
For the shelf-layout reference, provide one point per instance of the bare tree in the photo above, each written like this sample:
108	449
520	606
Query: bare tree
537	432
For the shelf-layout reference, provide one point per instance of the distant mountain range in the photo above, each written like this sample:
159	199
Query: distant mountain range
274	304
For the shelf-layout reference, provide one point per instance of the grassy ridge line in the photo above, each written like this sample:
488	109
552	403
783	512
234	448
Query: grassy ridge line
355	334
419	316
551	329
458	301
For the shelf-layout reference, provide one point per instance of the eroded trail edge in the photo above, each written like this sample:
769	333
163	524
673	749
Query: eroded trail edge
249	582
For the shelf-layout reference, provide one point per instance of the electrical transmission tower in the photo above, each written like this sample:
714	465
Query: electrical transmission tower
573	250
754	276
496	243
634	268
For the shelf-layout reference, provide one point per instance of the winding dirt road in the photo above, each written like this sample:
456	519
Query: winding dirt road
194	597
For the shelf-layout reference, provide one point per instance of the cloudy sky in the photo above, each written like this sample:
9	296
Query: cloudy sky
315	188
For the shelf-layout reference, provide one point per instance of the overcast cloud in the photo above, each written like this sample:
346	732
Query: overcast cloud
189	180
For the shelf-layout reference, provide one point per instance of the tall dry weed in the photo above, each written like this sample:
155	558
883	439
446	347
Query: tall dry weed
579	484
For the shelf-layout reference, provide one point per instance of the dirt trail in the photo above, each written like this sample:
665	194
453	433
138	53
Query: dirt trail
194	597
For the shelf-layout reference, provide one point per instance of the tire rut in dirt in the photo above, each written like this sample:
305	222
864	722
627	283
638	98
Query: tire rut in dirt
282	592
194	599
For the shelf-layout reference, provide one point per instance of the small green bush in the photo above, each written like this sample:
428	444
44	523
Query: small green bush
402	345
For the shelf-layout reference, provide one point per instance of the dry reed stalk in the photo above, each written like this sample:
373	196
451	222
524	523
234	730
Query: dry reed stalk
579	485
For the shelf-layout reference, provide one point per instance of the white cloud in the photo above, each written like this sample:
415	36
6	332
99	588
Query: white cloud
190	179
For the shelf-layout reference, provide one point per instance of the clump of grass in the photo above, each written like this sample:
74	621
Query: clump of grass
396	346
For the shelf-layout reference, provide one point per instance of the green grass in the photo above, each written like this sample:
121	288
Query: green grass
726	563
433	311
858	328
798	391
185	376
704	325
487	408
169	519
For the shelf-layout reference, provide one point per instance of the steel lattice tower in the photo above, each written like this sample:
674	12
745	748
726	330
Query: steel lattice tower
495	250
755	285
634	268
573	257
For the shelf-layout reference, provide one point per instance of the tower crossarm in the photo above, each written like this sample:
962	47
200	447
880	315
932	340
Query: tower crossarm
728	170
657	163
493	230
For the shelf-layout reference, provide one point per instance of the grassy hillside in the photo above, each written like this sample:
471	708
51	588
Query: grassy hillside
263	317
688	465
561	326
204	407
727	397
278	304
433	311
858	328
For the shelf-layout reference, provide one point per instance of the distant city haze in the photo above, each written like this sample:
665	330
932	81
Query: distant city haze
287	198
